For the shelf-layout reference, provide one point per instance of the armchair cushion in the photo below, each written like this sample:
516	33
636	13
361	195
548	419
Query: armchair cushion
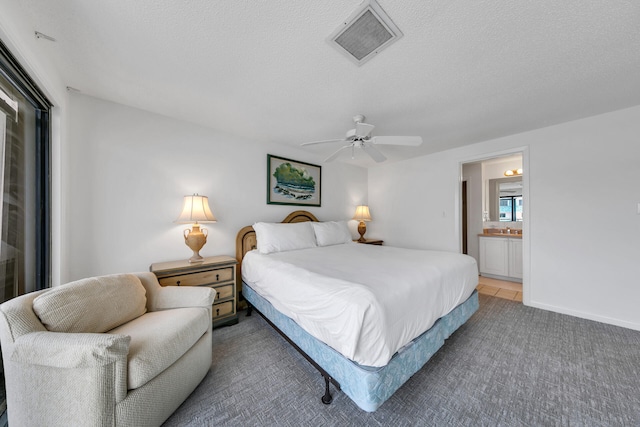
93	305
159	338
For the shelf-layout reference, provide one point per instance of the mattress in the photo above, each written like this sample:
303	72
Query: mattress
366	302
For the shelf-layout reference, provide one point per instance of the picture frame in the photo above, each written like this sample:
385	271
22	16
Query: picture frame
292	182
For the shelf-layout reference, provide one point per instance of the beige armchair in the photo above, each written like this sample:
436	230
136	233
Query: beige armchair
115	350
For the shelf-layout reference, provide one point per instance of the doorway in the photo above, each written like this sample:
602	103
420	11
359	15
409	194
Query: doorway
500	288
496	235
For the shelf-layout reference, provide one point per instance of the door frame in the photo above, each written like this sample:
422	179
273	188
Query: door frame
527	290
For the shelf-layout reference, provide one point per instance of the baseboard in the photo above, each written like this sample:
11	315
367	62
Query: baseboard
584	315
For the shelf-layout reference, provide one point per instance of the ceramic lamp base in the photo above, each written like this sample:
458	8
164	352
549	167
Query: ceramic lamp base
362	228
195	239
196	257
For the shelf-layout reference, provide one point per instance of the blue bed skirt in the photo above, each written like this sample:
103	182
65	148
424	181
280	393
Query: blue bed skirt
368	387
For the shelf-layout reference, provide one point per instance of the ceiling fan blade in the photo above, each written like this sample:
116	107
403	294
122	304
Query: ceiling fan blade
335	154
374	153
322	142
397	140
363	129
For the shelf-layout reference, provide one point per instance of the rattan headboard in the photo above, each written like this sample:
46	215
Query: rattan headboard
246	239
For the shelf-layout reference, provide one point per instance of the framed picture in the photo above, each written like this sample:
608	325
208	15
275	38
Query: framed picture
290	182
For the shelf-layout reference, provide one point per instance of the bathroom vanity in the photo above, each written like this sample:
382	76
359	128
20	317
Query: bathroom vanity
501	254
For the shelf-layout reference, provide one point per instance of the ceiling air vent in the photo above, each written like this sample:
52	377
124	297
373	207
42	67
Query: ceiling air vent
365	33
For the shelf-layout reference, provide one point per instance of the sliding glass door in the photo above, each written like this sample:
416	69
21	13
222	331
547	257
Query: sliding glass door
25	188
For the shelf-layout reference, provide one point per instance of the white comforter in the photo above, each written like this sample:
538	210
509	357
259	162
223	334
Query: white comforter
365	301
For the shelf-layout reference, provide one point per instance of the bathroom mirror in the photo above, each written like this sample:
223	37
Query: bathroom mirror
505	199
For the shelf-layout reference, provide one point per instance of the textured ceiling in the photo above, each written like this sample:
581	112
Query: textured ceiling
465	71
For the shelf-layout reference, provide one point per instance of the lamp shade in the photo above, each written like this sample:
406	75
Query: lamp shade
362	213
195	209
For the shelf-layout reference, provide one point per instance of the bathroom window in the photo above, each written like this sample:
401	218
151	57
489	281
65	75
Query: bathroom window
511	208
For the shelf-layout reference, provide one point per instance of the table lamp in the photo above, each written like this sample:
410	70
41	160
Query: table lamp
362	215
195	211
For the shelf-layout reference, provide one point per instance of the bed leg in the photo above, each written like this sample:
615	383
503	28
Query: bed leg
327	399
249	309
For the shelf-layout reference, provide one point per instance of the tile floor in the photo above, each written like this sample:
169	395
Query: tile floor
500	288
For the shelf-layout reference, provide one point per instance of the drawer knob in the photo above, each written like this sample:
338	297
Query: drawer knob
217	295
217	277
217	312
178	283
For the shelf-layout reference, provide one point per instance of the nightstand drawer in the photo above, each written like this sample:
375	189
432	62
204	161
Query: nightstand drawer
222	309
224	292
196	279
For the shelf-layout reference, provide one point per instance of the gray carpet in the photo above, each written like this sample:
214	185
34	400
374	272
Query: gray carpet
509	365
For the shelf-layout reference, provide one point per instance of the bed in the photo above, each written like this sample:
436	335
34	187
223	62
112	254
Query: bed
367	317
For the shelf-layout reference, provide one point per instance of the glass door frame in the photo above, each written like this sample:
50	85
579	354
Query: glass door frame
11	70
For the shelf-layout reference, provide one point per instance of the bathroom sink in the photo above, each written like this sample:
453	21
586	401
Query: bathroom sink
502	232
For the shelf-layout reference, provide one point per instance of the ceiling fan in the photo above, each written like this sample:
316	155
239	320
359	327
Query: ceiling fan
360	137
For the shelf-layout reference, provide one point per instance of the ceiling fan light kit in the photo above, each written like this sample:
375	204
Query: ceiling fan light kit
360	137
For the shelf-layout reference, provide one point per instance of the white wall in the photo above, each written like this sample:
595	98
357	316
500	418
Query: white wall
413	202
582	230
127	171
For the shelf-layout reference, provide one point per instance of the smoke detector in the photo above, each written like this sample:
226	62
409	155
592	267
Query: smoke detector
367	32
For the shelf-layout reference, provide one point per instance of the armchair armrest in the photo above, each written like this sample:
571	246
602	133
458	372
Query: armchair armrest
73	378
167	297
70	350
184	296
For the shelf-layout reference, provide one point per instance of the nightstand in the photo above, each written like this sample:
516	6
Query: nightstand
371	242
217	272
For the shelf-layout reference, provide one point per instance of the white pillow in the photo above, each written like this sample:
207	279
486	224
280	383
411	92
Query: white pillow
278	237
331	233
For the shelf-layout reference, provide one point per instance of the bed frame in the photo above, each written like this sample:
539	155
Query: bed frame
368	387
